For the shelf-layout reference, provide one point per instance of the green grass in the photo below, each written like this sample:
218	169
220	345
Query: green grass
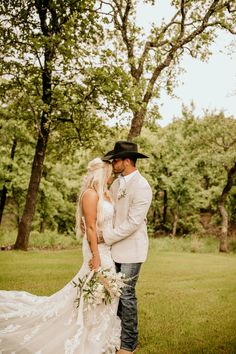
46	240
191	243
39	272
52	240
187	301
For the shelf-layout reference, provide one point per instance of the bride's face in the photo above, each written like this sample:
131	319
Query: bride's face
109	174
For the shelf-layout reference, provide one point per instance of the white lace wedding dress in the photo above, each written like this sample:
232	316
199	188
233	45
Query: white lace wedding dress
53	324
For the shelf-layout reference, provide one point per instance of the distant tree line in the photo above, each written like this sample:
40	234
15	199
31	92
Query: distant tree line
70	66
191	170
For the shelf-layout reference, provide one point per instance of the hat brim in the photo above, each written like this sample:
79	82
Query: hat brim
124	154
106	157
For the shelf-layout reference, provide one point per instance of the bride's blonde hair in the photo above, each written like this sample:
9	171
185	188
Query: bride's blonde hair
98	172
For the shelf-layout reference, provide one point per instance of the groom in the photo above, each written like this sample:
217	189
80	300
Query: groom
132	196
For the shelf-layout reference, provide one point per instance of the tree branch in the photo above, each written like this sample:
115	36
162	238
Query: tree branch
182	10
175	47
223	25
55	23
230	178
123	28
42	12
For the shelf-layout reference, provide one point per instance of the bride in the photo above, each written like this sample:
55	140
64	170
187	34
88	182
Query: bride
54	324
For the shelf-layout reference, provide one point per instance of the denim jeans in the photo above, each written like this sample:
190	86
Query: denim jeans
127	309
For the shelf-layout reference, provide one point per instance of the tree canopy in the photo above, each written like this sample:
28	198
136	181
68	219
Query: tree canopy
70	68
152	60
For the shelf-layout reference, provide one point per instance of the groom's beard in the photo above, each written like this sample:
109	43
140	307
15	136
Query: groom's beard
119	172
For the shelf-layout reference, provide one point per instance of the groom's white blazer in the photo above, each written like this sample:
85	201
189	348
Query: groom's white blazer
129	237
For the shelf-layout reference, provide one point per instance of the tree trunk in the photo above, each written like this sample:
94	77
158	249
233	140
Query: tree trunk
42	226
137	123
165	205
175	223
40	152
223	246
31	198
3	201
4	189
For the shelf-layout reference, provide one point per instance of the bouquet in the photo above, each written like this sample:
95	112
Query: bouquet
100	286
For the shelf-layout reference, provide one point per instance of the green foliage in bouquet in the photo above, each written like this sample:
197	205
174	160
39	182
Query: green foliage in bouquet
99	287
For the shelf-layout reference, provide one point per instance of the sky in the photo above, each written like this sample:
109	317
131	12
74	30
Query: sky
210	85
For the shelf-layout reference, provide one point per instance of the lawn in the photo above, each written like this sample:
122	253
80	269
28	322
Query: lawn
187	301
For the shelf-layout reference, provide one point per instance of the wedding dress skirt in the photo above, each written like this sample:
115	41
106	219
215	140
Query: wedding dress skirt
53	324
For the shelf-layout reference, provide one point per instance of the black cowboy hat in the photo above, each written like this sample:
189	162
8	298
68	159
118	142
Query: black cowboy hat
124	149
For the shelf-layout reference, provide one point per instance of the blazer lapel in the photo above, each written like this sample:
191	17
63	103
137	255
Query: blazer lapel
129	187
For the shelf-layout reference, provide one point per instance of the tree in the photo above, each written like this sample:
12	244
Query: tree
192	171
175	181
154	62
37	39
218	136
213	150
231	174
3	192
17	139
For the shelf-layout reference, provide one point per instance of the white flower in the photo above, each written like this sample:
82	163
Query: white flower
100	287
122	193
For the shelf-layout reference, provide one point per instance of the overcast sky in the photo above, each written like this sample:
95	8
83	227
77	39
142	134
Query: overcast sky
210	85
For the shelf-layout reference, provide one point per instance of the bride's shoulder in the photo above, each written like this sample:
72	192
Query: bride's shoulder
89	195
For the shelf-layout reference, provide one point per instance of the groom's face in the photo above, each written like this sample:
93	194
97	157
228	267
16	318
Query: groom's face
118	165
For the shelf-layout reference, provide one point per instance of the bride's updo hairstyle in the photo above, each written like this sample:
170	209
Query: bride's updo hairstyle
98	172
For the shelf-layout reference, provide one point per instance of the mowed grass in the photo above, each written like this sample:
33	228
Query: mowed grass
187	301
38	272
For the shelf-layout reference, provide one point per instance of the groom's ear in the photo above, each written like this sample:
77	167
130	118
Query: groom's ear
127	161
130	162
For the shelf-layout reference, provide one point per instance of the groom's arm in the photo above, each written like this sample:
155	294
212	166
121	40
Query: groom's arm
136	215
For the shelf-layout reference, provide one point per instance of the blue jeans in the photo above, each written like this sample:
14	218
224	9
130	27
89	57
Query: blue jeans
127	309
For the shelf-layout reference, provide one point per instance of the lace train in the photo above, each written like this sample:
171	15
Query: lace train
53	324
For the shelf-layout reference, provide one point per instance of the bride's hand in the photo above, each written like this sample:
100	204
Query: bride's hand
82	227
95	262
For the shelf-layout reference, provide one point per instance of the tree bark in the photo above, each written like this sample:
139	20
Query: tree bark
42	226
165	206
3	201
175	223
223	246
31	198
40	152
137	123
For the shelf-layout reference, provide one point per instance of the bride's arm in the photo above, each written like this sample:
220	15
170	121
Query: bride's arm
89	206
